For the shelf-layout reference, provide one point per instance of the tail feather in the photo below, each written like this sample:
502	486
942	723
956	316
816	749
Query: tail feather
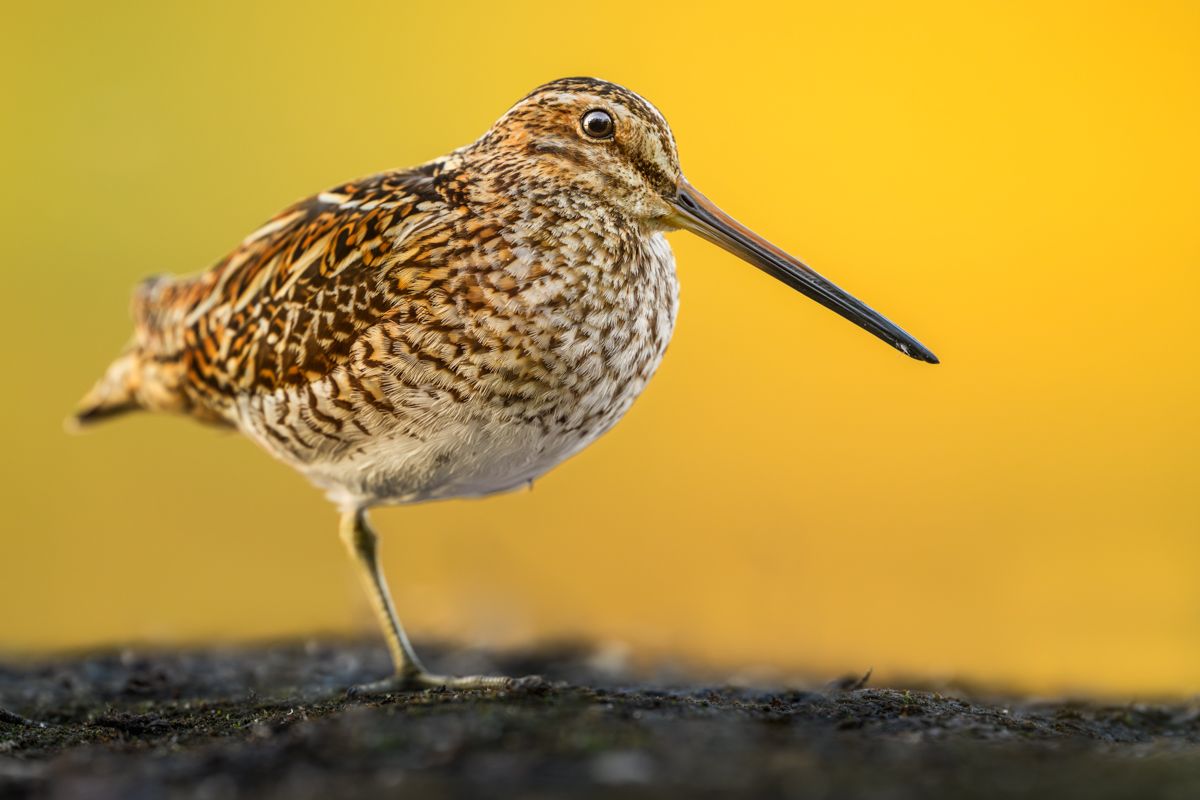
114	394
150	374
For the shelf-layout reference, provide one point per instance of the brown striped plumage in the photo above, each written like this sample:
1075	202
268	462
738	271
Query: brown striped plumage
468	292
450	330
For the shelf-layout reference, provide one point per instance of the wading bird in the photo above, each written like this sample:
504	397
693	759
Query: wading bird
451	330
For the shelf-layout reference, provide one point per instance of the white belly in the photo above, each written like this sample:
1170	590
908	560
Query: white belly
467	459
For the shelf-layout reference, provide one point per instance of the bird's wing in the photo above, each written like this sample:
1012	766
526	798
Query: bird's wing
287	306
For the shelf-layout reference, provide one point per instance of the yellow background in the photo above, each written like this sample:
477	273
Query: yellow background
1016	184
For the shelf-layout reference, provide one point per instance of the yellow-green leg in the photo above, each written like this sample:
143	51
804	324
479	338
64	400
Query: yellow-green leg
408	673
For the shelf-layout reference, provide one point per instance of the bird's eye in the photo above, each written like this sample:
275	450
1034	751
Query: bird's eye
598	124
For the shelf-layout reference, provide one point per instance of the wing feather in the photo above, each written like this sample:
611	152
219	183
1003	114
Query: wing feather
287	306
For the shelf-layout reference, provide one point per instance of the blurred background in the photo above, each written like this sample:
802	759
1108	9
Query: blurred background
1018	184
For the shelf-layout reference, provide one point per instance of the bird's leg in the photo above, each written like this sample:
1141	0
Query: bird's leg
409	673
363	545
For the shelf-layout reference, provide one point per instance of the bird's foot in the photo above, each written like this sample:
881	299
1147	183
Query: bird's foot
17	719
419	681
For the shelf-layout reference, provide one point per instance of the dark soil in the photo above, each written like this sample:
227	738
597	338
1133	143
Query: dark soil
275	721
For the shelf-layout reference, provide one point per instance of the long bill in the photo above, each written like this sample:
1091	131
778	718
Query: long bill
701	216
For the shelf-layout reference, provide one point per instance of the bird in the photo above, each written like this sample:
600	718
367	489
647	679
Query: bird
451	330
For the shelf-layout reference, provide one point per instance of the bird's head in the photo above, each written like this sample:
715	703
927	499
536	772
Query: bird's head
586	137
583	137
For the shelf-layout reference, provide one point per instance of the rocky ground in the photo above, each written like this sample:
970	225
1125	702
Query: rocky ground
276	721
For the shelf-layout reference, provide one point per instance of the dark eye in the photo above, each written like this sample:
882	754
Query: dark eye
598	124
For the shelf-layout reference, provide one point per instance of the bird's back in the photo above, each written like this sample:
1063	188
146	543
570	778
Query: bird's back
284	309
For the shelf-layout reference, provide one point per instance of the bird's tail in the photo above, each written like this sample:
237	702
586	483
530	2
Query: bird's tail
114	394
146	376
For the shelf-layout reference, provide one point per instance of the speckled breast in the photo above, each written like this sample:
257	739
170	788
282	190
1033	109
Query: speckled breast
523	381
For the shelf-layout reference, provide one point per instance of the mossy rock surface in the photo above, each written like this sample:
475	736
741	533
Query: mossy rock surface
275	721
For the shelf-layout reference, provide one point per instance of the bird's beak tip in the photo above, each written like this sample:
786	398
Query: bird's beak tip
920	355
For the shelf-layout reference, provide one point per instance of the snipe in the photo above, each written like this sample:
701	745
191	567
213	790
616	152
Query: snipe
451	330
